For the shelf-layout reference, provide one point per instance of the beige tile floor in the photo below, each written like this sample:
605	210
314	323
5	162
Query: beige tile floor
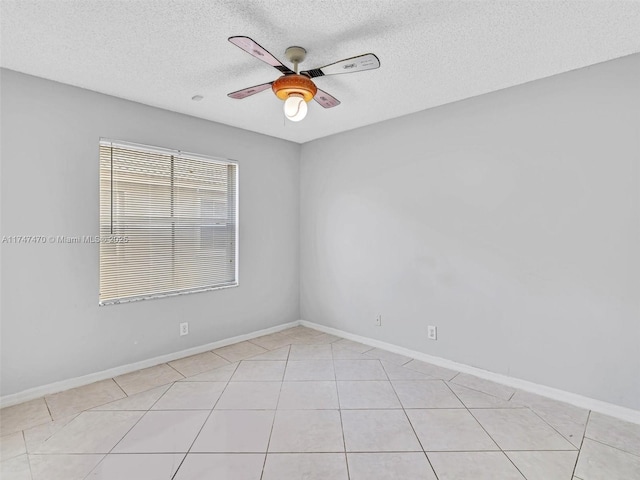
301	404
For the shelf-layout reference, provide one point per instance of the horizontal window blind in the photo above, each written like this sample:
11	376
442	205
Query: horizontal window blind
168	222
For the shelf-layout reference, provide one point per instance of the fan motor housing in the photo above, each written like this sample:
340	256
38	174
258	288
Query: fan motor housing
300	84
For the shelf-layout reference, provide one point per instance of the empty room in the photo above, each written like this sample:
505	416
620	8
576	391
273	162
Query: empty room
324	240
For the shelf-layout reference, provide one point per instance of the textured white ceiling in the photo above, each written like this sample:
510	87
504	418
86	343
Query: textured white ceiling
163	52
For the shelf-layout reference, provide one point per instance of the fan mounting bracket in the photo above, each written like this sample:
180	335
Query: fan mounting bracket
295	54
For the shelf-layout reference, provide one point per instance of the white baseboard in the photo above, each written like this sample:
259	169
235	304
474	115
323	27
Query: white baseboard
38	392
581	401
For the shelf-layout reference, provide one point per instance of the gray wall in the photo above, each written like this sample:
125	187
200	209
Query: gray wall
511	221
52	327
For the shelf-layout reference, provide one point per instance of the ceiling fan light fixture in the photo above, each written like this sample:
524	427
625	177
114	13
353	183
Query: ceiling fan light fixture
295	107
296	91
284	86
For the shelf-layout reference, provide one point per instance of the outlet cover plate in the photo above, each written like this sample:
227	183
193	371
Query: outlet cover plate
432	332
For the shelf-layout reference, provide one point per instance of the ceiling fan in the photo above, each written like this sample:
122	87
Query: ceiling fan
297	88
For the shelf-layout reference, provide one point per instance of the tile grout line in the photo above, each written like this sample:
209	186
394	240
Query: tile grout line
126	395
610	446
171	384
409	420
203	423
555	429
24	439
584	434
176	370
500	449
126	433
275	412
480	391
344	441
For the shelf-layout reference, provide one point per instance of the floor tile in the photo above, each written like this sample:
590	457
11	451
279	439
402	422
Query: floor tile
272	341
310	352
367	394
395	372
200	466
378	431
301	330
76	400
597	461
250	396
545	465
266	371
62	467
389	466
544	407
425	394
163	432
307	431
568	420
308	396
431	370
12	446
305	466
351	345
282	395
239	351
140	401
90	432
16	469
23	416
148	378
309	370
344	353
190	396
475	399
359	370
387	356
484	386
614	432
220	374
474	466
35	436
277	354
137	467
520	429
196	364
231	431
310	339
442	430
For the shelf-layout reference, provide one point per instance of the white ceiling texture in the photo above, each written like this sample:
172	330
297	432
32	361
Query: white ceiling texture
163	52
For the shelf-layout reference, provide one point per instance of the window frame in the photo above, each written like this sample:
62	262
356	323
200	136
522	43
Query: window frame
107	142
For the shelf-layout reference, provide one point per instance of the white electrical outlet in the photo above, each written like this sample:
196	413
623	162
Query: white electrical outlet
184	328
432	332
379	320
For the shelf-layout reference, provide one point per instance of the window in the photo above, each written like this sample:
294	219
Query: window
168	222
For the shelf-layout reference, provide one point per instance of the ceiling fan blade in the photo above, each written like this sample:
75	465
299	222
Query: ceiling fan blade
326	100
368	61
254	49
247	92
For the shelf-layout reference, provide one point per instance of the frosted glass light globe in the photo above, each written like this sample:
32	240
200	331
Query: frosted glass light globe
295	108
